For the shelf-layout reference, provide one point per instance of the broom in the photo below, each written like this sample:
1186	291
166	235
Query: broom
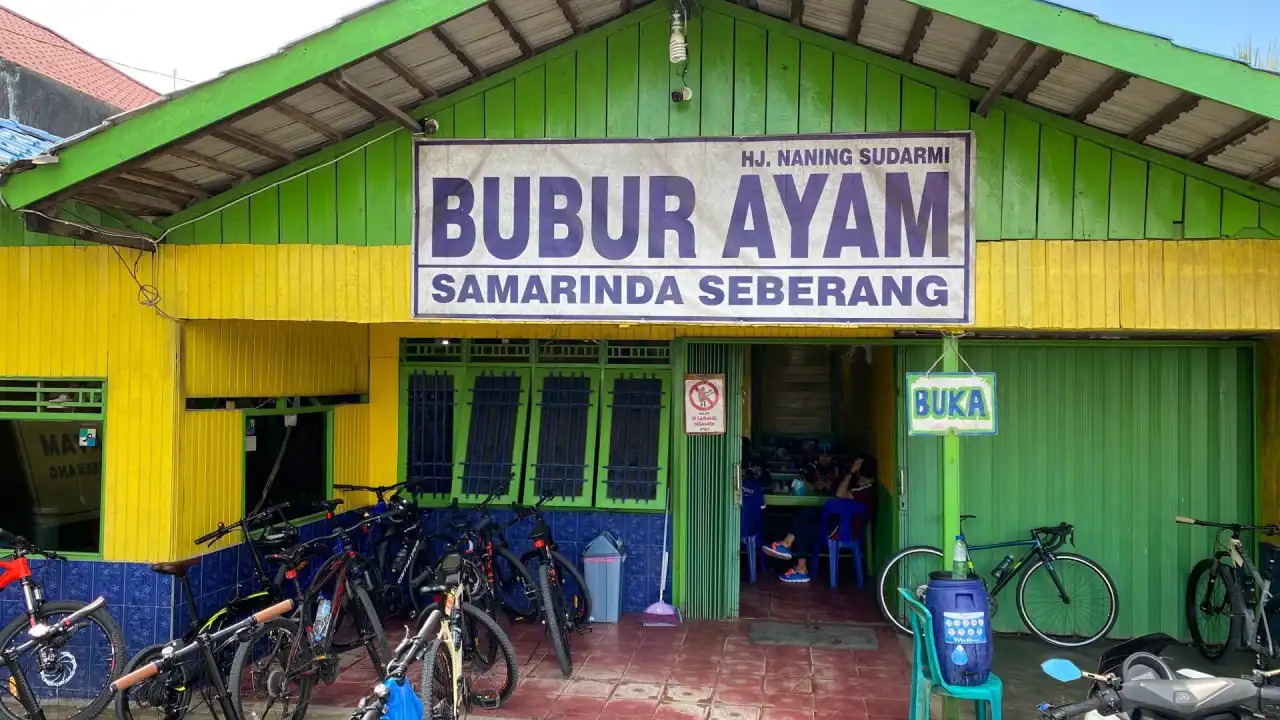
660	614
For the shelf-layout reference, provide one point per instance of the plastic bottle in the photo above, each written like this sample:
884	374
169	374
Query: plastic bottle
959	559
322	619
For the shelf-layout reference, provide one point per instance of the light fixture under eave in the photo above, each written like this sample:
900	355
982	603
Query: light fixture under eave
678	49
44	159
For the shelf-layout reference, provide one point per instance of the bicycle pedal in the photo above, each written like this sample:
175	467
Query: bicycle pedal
488	701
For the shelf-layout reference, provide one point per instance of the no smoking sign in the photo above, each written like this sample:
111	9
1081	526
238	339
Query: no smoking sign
704	405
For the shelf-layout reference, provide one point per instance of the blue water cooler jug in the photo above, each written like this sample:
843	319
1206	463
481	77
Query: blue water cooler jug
961	628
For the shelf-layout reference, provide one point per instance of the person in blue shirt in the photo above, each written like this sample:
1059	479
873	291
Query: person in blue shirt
859	483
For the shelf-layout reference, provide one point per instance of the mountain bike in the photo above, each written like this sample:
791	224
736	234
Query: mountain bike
390	596
171	694
565	608
62	666
1063	598
1228	598
296	653
200	655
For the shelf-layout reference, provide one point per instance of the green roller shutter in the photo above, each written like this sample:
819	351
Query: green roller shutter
1115	440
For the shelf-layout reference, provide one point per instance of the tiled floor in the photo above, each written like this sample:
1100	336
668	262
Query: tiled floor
707	670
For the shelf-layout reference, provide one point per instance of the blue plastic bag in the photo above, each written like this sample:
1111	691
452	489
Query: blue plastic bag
402	702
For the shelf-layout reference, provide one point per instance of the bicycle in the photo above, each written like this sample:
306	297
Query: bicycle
301	652
63	655
206	644
172	696
1245	600
377	569
562	612
1045	572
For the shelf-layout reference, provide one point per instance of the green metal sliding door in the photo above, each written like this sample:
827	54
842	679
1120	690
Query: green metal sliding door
1116	440
711	462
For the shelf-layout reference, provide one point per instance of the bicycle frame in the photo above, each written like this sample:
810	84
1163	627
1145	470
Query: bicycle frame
1037	549
19	570
1253	621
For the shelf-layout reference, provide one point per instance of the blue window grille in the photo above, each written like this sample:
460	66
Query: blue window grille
566	437
497	403
431	421
635	467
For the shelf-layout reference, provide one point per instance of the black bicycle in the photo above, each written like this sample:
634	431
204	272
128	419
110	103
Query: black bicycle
1063	598
564	602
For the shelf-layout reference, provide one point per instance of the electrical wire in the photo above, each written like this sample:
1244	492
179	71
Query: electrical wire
86	53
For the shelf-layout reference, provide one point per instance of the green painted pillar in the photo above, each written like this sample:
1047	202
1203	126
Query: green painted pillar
950	462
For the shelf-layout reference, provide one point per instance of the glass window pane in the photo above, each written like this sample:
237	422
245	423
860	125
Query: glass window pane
51	473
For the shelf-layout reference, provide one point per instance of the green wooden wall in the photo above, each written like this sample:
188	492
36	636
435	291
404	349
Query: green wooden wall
1140	434
1039	176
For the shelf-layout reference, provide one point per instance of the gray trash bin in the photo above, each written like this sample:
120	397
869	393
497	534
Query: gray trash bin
603	559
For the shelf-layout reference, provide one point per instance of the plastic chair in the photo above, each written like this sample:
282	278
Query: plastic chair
752	521
926	675
845	510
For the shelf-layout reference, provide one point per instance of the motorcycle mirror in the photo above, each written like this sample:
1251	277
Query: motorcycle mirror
1061	669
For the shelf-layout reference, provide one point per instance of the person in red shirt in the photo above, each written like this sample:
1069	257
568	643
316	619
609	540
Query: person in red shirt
857	484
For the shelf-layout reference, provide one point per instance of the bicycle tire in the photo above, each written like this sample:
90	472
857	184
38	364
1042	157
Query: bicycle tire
99	617
553	616
176	680
1061	560
242	662
436	683
502	645
582	600
1209	651
419	572
887	593
513	576
376	639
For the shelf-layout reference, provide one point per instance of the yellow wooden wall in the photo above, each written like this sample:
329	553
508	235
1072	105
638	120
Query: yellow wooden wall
209	487
74	312
1268	395
274	359
351	453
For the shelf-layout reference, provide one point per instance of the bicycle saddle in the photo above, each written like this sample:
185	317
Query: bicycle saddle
176	569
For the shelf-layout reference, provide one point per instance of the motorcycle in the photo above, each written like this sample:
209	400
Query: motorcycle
1134	683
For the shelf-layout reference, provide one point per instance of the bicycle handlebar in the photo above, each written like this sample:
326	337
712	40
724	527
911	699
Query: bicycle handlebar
1267	529
22	545
375	489
223	529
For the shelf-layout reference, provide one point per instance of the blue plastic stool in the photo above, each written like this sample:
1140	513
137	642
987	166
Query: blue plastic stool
846	510
926	676
752	521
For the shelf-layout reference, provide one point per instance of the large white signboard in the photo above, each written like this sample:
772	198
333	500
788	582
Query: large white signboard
868	228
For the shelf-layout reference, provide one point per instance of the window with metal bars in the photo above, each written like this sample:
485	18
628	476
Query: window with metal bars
496	422
635	454
565	419
429	462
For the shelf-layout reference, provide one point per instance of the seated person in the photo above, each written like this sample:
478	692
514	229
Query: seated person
857	484
823	473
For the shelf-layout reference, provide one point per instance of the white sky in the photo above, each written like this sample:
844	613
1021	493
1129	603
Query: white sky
199	39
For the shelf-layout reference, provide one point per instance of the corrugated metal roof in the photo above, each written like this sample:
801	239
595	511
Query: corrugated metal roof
17	141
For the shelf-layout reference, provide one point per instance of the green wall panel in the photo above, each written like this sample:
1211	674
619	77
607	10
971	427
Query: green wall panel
751	77
1119	456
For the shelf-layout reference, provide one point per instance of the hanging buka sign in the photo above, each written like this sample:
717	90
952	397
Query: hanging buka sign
961	403
704	405
870	228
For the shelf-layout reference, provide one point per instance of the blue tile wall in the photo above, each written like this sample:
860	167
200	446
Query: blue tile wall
151	608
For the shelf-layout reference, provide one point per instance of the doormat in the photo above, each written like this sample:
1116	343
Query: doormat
836	637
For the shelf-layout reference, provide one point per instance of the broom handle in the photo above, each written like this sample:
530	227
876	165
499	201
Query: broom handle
662	588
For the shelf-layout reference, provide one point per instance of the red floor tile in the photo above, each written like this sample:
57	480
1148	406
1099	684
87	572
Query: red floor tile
681	711
626	708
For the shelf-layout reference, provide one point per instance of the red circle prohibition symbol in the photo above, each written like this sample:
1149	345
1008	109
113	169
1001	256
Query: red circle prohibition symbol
703	395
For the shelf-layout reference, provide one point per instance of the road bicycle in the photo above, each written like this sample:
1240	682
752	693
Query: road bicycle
170	696
200	656
1064	599
1229	598
280	667
61	667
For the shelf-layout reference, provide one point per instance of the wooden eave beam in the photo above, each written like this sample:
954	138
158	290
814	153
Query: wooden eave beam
980	48
256	145
797	12
1265	173
211	163
856	15
100	196
476	71
570	16
124	182
372	104
41	224
1235	135
1046	64
1024	54
167	181
310	121
140	199
1105	92
1169	113
427	92
526	50
919	27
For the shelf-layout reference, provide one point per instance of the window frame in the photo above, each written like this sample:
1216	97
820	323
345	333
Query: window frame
590	459
245	415
459	373
99	417
611	375
462	416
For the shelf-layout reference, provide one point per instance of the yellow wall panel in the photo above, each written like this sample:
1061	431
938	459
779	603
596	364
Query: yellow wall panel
351	454
209	487
1269	430
54	322
270	359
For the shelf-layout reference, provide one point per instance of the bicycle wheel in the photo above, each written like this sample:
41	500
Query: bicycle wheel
260	682
517	588
910	569
76	685
1209	616
361	615
437	685
553	614
573	585
1093	606
166	696
496	679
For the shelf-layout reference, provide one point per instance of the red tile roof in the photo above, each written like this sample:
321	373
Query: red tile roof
44	51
